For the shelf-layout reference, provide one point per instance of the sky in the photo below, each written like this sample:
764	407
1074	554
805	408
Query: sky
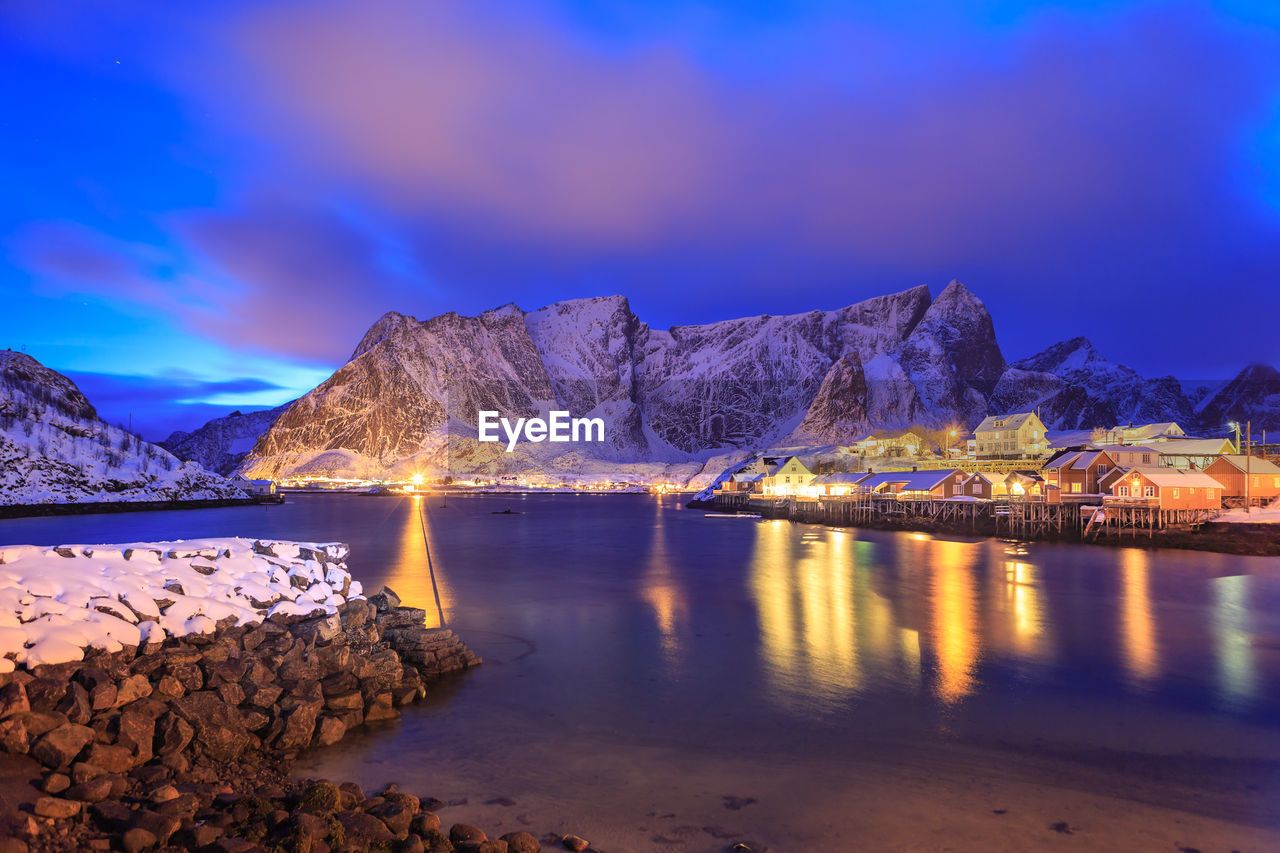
206	204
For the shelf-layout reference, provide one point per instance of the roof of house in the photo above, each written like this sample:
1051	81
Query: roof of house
1196	446
1257	465
1162	428
1175	477
1127	448
1033	476
839	479
912	481
747	477
979	474
1006	421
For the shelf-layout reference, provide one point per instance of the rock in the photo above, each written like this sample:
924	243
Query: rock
364	829
330	731
13	699
14	738
220	730
463	833
53	807
576	843
384	599
111	758
174	734
56	783
92	791
13	845
381	708
522	842
83	771
436	841
43	694
351	793
396	815
75	704
131	689
138	839
59	747
135	733
299	726
161	826
322	798
424	822
100	685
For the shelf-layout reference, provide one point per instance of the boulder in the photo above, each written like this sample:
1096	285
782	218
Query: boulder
60	746
13	699
396	814
522	842
92	791
220	729
384	599
136	732
132	688
56	808
363	829
465	833
174	734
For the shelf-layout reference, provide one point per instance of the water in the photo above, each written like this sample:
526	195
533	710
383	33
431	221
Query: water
658	679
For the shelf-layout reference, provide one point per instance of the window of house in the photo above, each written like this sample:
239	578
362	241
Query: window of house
1124	491
1102	469
1151	492
786	479
1075	488
1209	493
1256	481
1191	491
1177	493
1275	481
1146	458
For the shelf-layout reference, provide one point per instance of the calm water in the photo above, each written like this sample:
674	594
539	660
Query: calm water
642	657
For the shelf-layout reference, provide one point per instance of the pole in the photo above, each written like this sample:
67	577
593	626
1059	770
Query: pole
1248	445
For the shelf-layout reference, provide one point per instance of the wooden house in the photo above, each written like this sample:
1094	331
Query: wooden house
885	444
1167	488
788	477
1263	478
1016	436
1139	434
1077	472
917	485
837	485
1132	455
979	485
1193	452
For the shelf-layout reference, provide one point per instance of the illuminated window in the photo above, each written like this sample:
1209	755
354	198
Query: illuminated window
1075	488
1151	492
1177	493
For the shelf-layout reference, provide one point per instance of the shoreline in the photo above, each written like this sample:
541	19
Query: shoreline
155	696
101	507
1236	538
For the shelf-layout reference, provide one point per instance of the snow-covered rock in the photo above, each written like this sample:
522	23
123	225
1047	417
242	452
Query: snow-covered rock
55	449
57	602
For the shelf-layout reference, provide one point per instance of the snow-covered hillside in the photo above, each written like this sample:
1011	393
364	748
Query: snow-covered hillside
222	443
55	449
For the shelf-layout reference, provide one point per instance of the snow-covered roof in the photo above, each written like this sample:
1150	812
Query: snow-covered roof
1196	446
1087	459
994	422
839	479
1032	476
1127	448
912	481
1063	460
979	475
1176	477
747	478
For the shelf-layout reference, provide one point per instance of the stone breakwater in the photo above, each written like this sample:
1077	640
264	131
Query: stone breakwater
185	742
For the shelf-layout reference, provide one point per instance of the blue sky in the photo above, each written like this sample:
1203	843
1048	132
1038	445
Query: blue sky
206	204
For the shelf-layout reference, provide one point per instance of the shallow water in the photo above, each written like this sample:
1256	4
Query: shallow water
644	660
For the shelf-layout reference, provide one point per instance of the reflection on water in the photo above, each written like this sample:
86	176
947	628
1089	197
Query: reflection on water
410	575
955	617
1138	632
1233	632
661	589
1023	607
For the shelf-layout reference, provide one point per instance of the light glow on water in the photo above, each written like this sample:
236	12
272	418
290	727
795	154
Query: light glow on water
1139	641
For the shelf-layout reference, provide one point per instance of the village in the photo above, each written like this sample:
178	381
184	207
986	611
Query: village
1012	476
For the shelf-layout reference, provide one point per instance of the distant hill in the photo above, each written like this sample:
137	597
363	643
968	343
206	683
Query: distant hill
55	449
222	443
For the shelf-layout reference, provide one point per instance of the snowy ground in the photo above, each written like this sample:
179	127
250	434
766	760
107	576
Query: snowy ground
57	602
1259	515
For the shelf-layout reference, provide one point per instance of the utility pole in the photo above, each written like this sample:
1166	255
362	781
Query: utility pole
1248	444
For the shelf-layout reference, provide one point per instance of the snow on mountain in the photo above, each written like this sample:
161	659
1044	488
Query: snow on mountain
1254	395
1074	387
222	443
55	449
408	400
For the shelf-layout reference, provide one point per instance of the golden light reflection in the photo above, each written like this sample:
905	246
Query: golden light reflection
663	593
1025	608
1138	632
822	626
410	576
955	618
1233	634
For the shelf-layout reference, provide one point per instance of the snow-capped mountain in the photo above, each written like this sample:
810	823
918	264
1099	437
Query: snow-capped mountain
1074	387
675	400
222	443
1254	395
55	449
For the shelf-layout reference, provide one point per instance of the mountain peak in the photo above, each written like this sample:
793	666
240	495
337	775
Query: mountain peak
388	325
